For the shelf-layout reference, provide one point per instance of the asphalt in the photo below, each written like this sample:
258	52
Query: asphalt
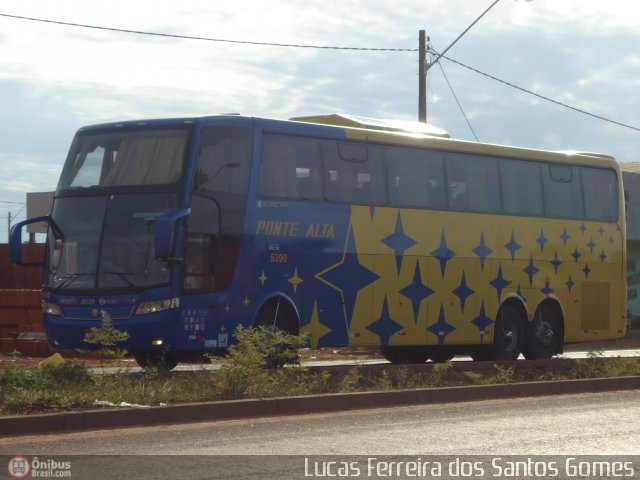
111	418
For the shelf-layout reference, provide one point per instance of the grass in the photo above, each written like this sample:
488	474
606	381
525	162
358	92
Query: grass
247	373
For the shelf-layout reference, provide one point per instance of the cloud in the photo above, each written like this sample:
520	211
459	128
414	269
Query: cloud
55	79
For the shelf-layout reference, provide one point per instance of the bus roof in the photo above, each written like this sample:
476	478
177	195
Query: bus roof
353	121
396	131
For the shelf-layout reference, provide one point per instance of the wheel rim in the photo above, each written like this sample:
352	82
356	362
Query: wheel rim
509	335
545	333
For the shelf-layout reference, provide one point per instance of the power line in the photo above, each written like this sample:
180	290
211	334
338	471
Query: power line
207	39
440	55
542	97
326	47
458	102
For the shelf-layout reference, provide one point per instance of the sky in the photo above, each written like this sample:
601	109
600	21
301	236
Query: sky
56	78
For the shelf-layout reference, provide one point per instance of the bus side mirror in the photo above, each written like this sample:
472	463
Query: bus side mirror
164	232
15	240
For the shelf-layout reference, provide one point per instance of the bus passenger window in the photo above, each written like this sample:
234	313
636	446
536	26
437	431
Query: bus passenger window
562	192
521	187
352	174
416	178
290	168
473	183
600	194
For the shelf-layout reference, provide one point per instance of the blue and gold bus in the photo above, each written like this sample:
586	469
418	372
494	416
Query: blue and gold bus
354	231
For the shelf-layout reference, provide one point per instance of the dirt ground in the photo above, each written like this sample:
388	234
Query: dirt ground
631	341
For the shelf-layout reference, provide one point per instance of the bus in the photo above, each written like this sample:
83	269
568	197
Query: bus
350	230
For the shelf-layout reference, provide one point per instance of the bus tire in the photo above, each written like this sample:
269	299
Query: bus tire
278	315
508	338
163	359
405	354
543	335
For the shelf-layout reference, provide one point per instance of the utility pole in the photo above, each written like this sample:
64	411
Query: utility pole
422	54
422	78
9	228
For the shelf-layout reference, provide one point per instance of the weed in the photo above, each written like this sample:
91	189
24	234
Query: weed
244	371
475	378
439	370
384	381
351	381
594	366
505	374
107	337
407	380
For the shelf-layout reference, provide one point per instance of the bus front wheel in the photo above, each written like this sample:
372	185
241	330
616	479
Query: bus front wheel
166	359
279	316
544	334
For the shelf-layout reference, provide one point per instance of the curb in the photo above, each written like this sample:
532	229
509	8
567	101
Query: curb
337	402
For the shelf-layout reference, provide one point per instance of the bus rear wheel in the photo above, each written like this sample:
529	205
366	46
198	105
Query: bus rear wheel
544	334
509	333
405	354
166	359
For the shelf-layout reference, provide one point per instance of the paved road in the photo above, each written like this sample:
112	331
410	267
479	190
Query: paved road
606	423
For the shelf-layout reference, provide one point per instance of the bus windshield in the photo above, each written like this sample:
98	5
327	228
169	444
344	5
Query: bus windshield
106	242
121	158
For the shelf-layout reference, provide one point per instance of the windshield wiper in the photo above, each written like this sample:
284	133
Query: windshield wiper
69	278
123	276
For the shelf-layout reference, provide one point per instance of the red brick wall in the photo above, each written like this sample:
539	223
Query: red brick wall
20	295
14	277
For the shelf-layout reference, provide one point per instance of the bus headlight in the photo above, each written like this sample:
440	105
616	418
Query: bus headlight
51	309
157	306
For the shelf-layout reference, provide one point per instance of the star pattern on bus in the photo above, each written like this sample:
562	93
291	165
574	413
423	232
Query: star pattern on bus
416	291
576	254
482	251
385	326
482	321
399	242
602	256
556	262
500	283
348	276
441	328
380	287
443	254
315	329
295	280
531	270
513	246
463	292
519	293
542	240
